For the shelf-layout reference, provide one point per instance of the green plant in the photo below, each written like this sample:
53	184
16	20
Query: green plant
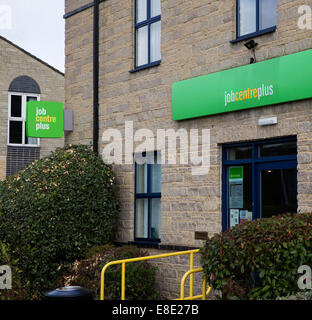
140	276
17	291
259	259
55	209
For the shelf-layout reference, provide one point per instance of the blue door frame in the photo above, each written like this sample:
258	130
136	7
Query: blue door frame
258	164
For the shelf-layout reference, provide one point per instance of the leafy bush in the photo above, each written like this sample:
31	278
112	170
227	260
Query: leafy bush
140	276
259	259
18	291
55	209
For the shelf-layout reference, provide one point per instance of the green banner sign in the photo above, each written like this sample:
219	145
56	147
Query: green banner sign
44	119
278	80
236	174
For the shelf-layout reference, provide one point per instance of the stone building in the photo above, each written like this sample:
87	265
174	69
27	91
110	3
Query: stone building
168	64
24	78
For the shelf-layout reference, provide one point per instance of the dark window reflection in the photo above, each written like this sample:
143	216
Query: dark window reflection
16	132
240	153
16	106
278	192
278	149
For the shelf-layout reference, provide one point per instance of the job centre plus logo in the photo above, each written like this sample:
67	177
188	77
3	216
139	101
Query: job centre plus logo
248	94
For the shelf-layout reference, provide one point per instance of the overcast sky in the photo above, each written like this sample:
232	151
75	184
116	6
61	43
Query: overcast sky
38	27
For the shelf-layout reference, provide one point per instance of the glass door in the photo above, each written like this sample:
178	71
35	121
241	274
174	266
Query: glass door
277	189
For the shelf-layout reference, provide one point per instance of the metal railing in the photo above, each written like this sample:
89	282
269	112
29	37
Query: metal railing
205	291
165	255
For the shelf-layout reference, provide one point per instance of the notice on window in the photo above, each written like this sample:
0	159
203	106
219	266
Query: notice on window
236	174
234	217
250	215
236	196
243	215
236	190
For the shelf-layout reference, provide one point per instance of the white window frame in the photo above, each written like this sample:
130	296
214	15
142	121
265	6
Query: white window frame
21	119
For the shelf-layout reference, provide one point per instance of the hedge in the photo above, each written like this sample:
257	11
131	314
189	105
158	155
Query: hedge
140	276
55	209
18	291
259	259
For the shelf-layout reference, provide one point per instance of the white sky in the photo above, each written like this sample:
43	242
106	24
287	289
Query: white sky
38	27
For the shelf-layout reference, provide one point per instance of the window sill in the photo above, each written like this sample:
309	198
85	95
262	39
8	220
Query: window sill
146	243
254	34
23	145
146	66
153	245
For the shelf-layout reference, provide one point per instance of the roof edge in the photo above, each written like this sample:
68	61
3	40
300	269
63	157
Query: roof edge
32	56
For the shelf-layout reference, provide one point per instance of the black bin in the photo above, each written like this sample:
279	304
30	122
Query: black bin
70	293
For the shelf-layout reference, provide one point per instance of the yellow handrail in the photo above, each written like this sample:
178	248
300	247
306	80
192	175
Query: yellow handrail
191	297
123	268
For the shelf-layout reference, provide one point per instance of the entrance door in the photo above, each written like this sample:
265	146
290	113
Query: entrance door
277	185
259	180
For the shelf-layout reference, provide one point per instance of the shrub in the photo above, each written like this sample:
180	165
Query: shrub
18	291
55	209
140	276
259	259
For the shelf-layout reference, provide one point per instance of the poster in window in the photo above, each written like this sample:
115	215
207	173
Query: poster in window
236	194
234	217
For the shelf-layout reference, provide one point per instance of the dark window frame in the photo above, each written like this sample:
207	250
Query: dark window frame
255	161
148	195
258	31
139	25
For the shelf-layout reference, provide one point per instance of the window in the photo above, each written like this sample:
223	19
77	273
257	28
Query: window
147	33
259	180
255	17
148	199
17	119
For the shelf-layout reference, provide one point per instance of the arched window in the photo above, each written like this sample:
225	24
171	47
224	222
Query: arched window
21	90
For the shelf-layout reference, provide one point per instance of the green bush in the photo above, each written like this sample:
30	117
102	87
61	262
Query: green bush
55	209
18	291
140	276
259	259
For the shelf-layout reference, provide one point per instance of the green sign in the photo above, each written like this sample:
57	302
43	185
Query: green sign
44	119
235	174
278	80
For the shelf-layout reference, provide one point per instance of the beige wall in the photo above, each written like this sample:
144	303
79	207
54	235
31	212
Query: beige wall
195	42
15	63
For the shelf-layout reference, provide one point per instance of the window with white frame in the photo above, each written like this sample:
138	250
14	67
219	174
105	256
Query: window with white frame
148	199
147	32
17	119
256	17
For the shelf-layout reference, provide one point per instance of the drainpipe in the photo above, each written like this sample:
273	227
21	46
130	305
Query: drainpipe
96	76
